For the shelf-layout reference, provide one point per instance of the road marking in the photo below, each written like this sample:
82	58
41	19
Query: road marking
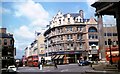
64	70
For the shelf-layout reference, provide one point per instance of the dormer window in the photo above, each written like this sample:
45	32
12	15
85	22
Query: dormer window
68	19
60	21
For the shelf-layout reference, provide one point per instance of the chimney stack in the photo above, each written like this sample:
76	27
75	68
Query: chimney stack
81	13
2	30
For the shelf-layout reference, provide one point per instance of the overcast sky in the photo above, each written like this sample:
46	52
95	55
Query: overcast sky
23	17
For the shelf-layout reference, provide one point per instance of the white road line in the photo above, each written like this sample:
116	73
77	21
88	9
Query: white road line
64	70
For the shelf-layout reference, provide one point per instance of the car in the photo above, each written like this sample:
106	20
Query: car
83	63
12	68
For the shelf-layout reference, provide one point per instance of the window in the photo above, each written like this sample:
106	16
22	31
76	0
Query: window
67	36
61	37
60	21
69	28
91	36
5	41
109	34
91	43
117	42
11	41
68	19
79	36
114	34
105	34
71	45
0	42
105	42
61	31
79	28
80	45
92	29
96	36
70	36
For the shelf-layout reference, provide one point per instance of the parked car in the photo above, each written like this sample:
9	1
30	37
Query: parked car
83	63
12	68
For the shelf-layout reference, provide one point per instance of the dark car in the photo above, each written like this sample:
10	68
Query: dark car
84	63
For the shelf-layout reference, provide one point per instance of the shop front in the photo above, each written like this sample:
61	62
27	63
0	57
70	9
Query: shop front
66	57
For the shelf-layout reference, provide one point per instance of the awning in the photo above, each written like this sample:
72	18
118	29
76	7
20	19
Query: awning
90	55
61	56
53	56
57	57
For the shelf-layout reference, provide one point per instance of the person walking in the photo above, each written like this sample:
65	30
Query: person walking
40	66
55	64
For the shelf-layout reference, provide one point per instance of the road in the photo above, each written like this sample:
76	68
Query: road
61	68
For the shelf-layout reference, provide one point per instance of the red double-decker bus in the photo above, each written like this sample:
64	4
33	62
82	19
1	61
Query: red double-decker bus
114	53
33	61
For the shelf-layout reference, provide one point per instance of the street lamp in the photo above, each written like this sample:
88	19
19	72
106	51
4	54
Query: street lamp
109	43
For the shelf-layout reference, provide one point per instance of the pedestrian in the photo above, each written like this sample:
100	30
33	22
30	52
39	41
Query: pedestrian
55	64
40	66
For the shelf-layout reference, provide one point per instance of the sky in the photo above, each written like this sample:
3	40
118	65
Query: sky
23	18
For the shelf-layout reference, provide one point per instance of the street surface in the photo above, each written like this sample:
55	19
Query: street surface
61	68
69	68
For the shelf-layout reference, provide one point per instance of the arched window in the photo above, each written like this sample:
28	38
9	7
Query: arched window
5	41
92	29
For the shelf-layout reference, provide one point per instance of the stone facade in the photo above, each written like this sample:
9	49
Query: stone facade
7	46
71	36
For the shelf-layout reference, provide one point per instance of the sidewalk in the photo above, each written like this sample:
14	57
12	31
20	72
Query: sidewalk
104	68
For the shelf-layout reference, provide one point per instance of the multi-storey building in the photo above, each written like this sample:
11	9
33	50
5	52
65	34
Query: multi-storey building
71	36
36	48
7	48
110	32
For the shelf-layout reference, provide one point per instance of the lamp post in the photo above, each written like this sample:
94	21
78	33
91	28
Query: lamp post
109	43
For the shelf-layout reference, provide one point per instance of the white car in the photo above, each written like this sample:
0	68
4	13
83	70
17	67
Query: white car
12	68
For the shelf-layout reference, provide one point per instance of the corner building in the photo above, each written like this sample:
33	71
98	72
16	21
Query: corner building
7	49
70	37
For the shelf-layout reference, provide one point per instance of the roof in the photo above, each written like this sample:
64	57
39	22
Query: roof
4	35
72	14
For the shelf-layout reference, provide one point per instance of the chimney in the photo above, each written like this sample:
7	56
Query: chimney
2	30
81	13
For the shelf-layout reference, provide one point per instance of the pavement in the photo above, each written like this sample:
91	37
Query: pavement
104	68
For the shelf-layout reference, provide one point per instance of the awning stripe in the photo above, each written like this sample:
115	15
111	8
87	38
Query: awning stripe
57	57
61	56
